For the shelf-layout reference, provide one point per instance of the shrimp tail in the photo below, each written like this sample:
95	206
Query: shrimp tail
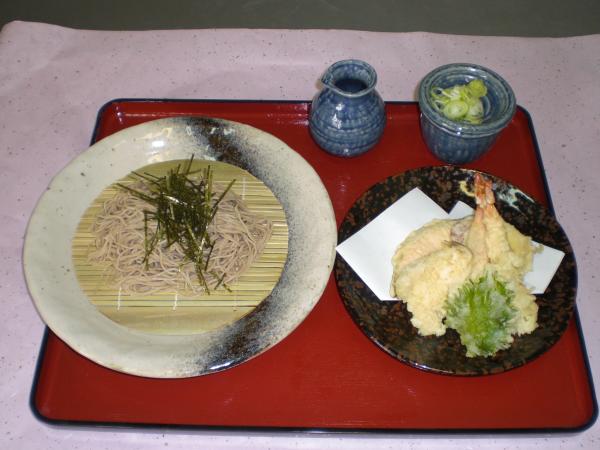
484	194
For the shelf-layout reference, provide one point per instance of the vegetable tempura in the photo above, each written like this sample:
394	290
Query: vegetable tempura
468	275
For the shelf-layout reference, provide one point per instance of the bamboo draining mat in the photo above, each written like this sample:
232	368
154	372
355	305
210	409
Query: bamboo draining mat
178	312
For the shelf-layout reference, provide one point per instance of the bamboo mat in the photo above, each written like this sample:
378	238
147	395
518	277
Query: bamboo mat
176	312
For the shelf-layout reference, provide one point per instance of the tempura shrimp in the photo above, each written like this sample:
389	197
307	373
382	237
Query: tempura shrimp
496	241
508	252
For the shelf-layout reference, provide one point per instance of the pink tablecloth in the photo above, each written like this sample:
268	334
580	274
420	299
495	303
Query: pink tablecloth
53	80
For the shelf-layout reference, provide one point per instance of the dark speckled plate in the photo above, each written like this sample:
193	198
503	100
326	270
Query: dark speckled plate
388	325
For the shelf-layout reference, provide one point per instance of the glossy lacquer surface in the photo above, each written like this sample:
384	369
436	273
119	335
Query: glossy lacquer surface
328	374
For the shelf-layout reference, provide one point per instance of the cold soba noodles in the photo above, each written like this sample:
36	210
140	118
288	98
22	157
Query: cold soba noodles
239	236
149	246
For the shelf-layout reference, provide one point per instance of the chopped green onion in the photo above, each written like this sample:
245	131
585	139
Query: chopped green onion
461	103
477	88
455	109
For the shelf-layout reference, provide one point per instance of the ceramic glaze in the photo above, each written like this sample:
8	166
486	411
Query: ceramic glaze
388	323
459	142
63	305
347	117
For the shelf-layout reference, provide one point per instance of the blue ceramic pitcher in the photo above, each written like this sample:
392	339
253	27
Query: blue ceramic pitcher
347	117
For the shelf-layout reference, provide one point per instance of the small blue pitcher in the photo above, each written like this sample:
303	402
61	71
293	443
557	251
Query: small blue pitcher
347	117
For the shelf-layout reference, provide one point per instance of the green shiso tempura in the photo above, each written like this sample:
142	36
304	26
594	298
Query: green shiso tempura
483	315
461	103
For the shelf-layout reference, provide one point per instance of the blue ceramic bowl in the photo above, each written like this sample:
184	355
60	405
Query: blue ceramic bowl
459	142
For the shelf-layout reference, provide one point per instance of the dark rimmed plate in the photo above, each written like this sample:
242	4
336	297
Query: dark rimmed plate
388	325
62	304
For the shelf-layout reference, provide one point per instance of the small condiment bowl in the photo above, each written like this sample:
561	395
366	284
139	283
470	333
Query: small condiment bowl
460	142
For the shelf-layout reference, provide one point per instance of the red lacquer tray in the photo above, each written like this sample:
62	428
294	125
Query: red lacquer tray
327	375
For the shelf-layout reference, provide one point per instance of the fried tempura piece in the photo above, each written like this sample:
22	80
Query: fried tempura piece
427	239
510	254
425	284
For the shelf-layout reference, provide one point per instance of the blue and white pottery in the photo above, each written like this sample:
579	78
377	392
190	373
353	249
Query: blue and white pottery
457	142
347	117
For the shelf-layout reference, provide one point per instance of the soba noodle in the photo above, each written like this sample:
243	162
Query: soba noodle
239	236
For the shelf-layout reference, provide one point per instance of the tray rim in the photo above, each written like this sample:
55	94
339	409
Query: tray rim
81	424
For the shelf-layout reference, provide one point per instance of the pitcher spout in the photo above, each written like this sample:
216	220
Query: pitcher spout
350	78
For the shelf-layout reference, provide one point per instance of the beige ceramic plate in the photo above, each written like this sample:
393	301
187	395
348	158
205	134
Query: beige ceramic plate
66	309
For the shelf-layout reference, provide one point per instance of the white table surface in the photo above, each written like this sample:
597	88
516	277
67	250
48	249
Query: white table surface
53	80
